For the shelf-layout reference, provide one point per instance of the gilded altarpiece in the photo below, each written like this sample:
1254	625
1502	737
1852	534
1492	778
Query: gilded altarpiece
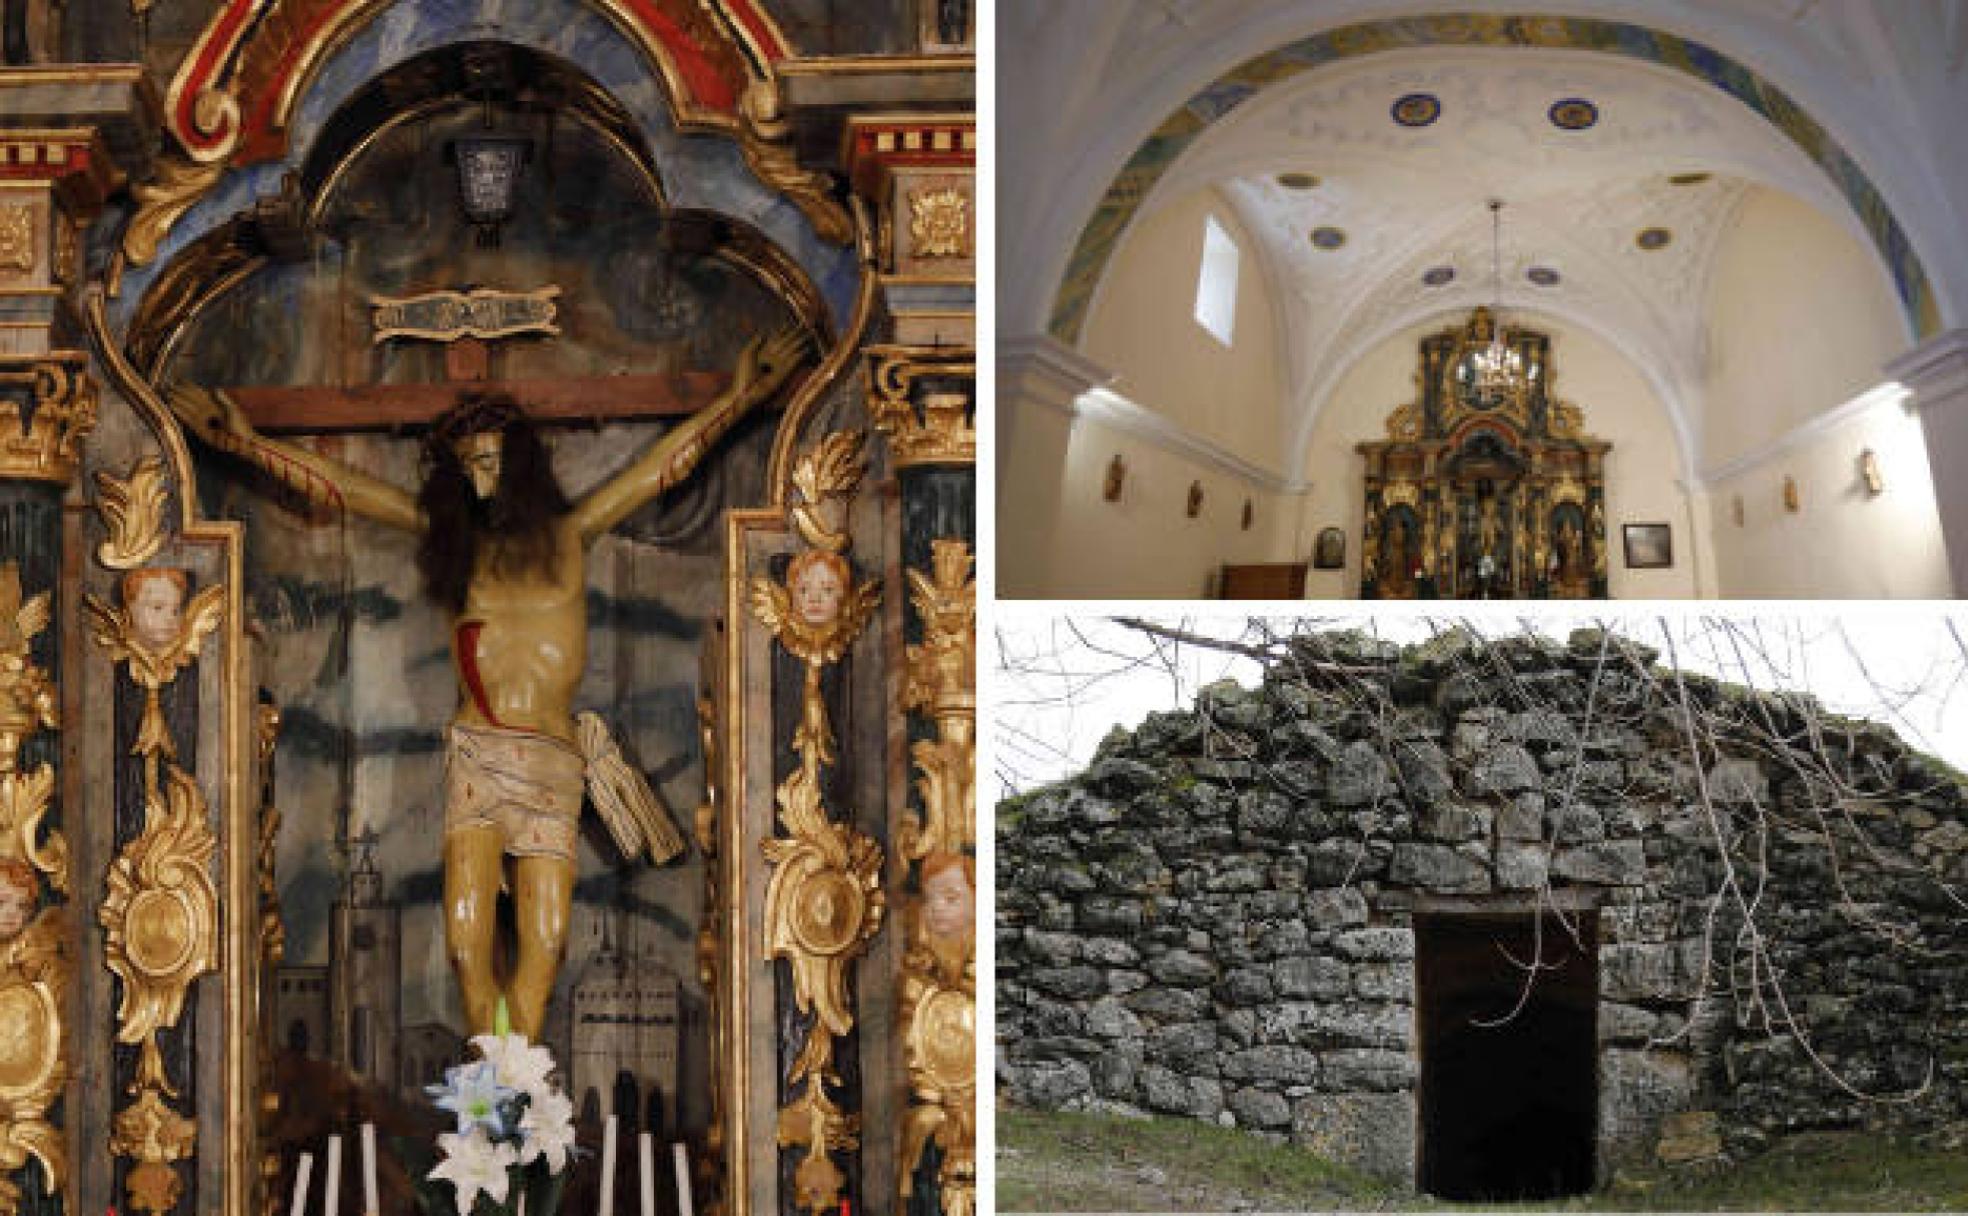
224	695
1480	492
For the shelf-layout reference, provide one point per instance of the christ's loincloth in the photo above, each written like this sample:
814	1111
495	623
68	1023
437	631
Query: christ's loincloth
526	785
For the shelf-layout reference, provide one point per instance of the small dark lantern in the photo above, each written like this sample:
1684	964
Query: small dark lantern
489	165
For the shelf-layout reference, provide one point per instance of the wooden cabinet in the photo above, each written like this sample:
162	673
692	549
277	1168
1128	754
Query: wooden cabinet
1263	581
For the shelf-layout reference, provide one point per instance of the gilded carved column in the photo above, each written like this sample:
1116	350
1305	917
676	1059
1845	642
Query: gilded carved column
917	172
47	408
921	398
824	898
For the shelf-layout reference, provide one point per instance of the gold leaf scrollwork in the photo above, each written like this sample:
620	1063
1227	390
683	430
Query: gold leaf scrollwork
162	203
34	979
938	429
826	476
17	237
132	511
154	1135
44	442
939	1034
161	919
939	223
161	924
1404	424
27	696
1567	420
34	965
273	933
824	900
766	137
938	990
942	684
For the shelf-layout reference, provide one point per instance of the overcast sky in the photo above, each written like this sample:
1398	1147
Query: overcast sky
1057	682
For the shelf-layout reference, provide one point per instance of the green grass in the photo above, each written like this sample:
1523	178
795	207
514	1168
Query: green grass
1071	1162
1083	1163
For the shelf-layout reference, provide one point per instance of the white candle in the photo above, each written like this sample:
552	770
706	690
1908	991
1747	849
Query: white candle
332	1184
608	1167
370	1205
301	1184
684	1206
646	1145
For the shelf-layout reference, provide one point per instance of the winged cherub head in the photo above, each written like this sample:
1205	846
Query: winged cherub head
819	581
155	599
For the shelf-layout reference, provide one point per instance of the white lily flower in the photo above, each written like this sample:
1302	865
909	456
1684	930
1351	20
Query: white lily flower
518	1064
548	1127
472	1164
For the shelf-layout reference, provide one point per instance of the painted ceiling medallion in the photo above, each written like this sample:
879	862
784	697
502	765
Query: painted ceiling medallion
1436	276
1688	179
1417	109
1298	181
1543	276
1651	239
1574	114
1328	238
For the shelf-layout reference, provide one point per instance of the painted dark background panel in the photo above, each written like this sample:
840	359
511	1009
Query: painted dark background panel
847	27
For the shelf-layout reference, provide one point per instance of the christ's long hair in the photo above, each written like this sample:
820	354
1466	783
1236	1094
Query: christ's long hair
521	519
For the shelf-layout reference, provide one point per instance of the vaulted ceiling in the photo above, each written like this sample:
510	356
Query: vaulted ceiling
1408	198
1603	220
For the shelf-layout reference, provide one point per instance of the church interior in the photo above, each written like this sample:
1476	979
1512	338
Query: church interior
1382	300
486	549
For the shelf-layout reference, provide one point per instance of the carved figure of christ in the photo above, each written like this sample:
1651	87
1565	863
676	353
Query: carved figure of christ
503	552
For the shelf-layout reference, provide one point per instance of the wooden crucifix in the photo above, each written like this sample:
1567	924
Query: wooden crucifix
469	325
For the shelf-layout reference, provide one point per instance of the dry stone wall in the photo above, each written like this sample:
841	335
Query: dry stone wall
1216	919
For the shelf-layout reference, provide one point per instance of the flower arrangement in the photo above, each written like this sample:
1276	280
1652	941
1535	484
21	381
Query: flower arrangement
515	1128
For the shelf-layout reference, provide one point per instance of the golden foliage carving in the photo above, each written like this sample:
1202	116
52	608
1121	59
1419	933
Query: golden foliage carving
132	511
824	900
938	429
162	203
17	237
826	476
45	444
34	977
161	919
27	696
939	223
154	1135
939	1042
942	683
34	965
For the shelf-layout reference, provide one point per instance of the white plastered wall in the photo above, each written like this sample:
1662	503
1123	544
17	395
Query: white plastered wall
1143	326
1144	545
1801	318
1644	471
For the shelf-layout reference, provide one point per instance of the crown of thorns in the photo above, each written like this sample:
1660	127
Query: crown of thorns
473	415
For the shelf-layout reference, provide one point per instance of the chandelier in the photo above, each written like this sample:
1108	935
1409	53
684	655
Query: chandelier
1499	370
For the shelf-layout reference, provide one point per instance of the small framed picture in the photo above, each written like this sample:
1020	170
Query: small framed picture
1330	552
1648	546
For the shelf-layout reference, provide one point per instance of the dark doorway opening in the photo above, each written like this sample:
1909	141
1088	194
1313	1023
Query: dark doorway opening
1509	1078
